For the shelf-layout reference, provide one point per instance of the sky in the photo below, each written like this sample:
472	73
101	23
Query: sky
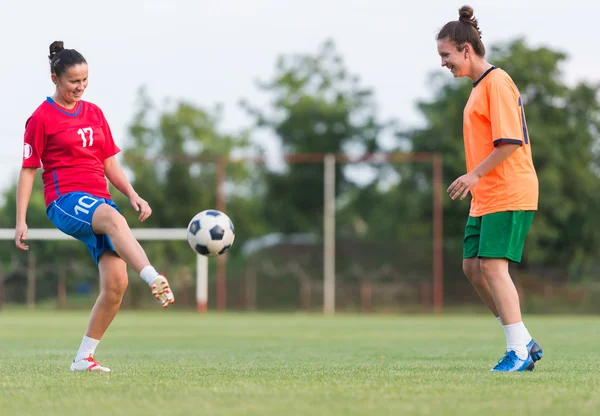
212	52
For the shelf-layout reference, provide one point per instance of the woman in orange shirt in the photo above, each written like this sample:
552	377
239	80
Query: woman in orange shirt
501	179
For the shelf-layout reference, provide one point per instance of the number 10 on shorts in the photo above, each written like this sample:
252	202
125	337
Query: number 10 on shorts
84	204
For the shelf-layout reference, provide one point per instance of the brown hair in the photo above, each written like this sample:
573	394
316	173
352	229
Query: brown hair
61	59
464	30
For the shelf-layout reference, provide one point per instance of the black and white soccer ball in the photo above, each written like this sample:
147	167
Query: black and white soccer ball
210	233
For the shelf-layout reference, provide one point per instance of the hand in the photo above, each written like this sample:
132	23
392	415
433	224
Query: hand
140	206
463	185
20	236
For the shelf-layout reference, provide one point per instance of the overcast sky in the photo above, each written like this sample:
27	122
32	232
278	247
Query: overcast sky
212	51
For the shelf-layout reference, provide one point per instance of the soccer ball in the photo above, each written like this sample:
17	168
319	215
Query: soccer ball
210	233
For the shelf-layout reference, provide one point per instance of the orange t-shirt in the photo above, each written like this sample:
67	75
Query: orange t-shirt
493	116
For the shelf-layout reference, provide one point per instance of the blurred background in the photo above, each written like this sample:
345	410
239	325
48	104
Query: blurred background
234	105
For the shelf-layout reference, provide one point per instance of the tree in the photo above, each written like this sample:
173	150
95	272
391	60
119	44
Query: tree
318	106
172	164
564	125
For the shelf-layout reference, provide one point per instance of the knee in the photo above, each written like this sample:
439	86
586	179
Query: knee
472	270
115	289
493	268
113	223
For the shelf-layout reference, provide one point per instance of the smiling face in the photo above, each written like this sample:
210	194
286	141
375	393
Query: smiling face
71	84
453	59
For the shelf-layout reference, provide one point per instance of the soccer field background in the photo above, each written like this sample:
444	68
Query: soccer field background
180	363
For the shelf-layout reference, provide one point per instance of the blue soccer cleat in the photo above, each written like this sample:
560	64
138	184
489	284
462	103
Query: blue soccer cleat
510	362
534	350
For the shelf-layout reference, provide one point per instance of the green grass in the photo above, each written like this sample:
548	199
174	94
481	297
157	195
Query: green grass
176	363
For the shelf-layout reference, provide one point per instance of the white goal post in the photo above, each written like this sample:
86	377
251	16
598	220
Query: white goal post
147	234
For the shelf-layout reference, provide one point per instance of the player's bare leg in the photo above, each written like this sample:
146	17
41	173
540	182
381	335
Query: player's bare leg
472	270
504	292
506	299
109	221
113	282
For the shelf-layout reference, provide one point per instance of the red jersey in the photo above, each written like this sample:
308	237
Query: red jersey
71	146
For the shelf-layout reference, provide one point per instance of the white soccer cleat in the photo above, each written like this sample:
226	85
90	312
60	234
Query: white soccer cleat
88	364
161	291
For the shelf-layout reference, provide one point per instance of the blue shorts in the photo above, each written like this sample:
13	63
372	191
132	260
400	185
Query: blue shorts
72	214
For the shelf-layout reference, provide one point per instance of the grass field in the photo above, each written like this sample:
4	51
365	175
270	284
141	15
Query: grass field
175	363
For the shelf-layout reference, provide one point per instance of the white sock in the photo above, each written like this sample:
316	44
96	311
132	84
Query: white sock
148	274
499	319
517	338
87	347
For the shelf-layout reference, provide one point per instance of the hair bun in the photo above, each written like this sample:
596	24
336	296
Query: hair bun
465	14
55	48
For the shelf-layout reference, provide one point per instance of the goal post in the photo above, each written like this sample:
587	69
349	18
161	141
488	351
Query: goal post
330	161
141	234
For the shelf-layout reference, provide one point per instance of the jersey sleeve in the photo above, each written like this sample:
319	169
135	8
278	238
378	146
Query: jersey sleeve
505	113
110	147
34	142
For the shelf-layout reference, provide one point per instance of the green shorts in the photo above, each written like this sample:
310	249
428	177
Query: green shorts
500	235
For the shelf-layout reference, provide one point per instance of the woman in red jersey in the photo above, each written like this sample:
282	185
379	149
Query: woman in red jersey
71	140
